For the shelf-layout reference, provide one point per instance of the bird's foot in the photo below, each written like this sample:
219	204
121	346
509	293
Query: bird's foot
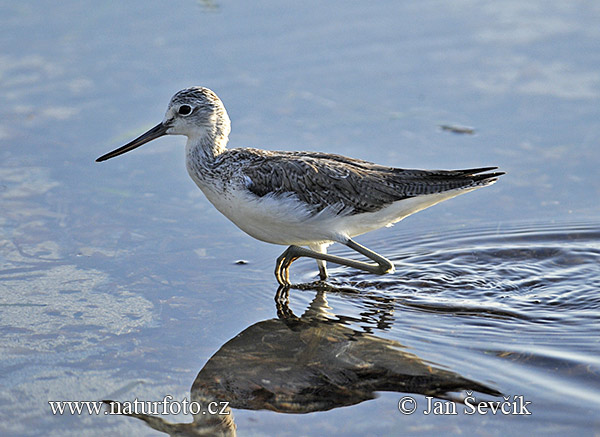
282	266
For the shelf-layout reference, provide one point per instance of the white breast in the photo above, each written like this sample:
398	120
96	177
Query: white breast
281	220
286	220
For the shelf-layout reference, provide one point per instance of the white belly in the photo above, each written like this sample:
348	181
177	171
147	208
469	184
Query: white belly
286	221
279	221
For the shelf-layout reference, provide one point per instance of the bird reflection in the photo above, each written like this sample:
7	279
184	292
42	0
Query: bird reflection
305	364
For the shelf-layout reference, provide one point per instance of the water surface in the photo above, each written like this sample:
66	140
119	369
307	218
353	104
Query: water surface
120	281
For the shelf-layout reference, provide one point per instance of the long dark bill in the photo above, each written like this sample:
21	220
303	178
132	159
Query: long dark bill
157	131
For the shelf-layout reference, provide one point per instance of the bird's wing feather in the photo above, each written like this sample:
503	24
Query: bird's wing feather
349	186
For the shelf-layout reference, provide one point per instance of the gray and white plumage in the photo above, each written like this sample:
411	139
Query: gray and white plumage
299	198
321	180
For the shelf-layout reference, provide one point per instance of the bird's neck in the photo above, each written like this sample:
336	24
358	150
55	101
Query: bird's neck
202	153
208	146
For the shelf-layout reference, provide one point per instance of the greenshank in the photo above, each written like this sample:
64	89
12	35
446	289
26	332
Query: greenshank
304	200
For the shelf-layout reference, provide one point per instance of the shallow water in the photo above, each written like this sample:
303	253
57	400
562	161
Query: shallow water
513	309
517	305
119	281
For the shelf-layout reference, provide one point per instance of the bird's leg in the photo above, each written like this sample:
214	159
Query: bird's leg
321	248
383	266
292	253
322	270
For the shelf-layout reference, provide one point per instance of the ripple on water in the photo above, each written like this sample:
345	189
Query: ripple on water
514	305
532	272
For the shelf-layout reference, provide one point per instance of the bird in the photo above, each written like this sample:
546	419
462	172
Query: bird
304	200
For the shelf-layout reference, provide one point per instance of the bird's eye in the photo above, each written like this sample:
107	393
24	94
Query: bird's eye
184	110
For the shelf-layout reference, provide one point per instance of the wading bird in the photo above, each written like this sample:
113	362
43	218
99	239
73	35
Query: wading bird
304	200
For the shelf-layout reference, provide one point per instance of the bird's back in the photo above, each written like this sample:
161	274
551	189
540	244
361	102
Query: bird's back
351	186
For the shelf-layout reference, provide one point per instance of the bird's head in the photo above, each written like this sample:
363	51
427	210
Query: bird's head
195	112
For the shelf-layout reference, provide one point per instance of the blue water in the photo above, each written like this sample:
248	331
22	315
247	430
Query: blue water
119	280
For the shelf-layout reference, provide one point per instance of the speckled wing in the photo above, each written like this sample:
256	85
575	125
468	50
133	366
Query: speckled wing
349	186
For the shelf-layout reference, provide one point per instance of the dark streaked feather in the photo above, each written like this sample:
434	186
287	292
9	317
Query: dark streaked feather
348	184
